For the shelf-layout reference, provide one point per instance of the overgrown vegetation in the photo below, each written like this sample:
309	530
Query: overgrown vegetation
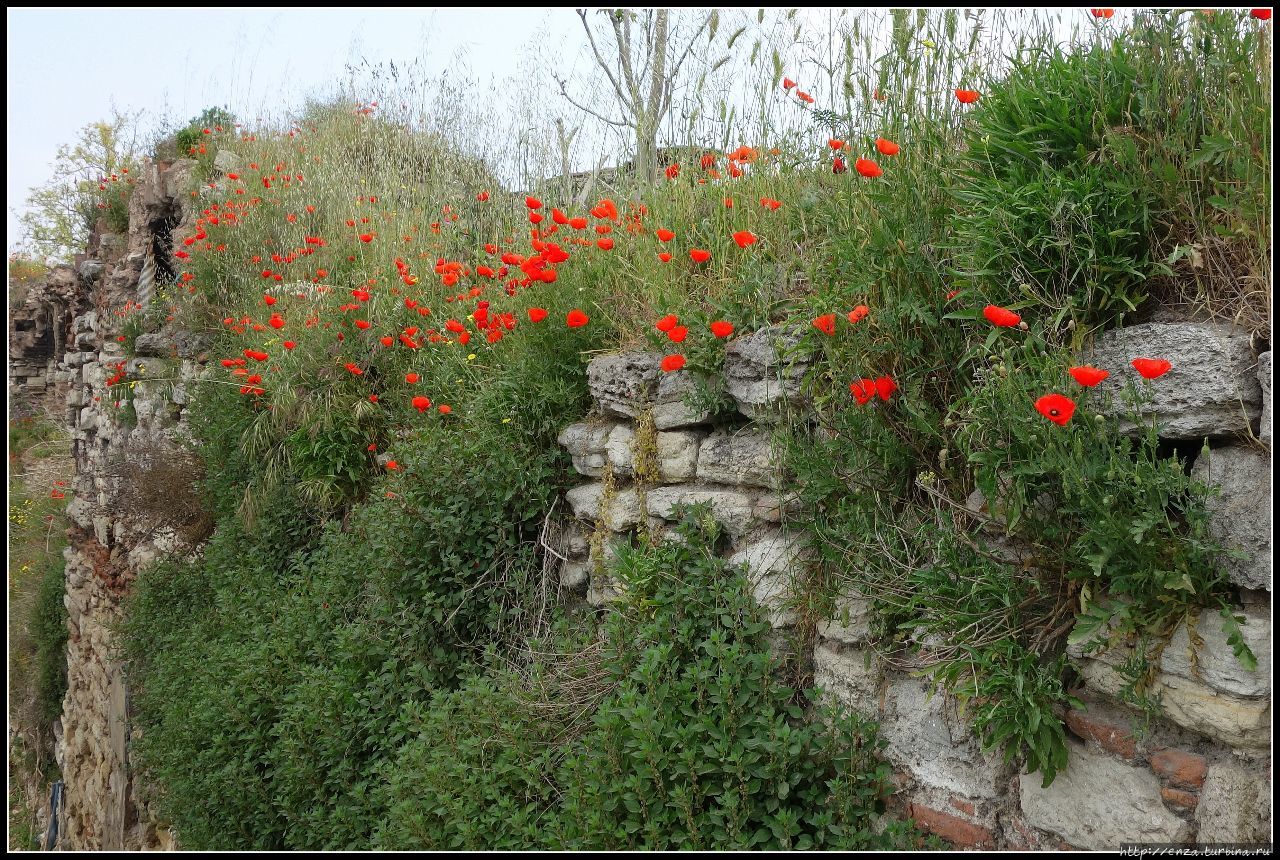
334	669
39	469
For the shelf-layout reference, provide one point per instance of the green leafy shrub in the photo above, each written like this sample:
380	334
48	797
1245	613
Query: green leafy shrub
693	744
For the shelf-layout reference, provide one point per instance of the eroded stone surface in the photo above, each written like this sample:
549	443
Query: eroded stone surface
730	508
763	372
1235	805
1099	803
775	564
1240	515
1211	390
623	385
743	456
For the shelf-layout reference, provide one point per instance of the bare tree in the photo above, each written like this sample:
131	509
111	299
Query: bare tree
642	66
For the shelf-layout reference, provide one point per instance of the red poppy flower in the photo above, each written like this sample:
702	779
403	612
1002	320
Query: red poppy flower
744	238
678	333
1056	408
967	97
578	223
999	316
858	313
664	257
388	340
363	324
721	329
422	404
605	244
1261	14
276	321
270	300
392	465
354	368
835	144
366	237
838	166
537	315
664	235
533	202
1150	368
1102	13
576	319
672	363
698	255
886	147
825	324
667	323
867	168
673	171
482	196
1088	376
445	408
411	378
787	83
885	387
862	390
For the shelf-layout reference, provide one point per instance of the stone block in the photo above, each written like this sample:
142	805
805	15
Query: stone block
624	385
1099	803
676	453
1240	515
775	564
585	443
763	371
849	676
1235	804
730	508
1264	382
851	624
739	457
1211	390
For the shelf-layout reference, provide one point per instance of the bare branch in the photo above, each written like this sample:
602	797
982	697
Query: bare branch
617	88
565	92
623	39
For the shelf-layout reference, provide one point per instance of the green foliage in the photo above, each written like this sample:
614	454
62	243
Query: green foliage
91	178
693	743
49	629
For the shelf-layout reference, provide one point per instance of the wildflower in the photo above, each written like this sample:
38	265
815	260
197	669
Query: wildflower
862	390
885	387
537	315
664	257
858	313
788	84
576	319
1056	408
678	333
1102	13
1001	317
366	237
1261	14
664	235
1088	376
698	255
667	323
533	202
868	168
836	144
721	329
1151	368
673	171
673	362
886	147
445	408
825	324
288	344
744	238
967	97
838	165
411	378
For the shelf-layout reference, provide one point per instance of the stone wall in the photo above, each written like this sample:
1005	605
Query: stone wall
1198	772
117	406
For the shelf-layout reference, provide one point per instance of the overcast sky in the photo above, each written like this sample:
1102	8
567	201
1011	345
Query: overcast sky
68	67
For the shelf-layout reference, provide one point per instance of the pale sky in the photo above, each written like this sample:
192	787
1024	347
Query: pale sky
68	67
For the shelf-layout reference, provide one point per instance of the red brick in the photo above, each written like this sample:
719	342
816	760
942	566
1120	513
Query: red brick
955	830
963	805
1182	769
1179	798
1113	737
